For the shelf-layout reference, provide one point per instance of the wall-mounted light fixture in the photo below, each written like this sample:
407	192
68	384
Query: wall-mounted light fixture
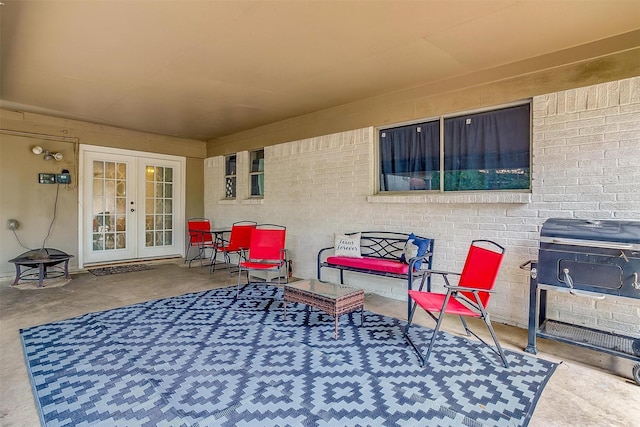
48	155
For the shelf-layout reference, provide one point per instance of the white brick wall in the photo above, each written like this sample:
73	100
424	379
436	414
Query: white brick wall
586	164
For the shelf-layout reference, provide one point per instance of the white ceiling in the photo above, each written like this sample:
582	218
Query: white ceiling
204	69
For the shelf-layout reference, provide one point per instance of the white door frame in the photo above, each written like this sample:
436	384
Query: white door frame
179	211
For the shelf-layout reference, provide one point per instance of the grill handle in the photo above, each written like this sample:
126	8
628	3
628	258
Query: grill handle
569	281
567	278
591	244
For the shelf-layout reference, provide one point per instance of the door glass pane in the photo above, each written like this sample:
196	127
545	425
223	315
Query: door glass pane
158	202
121	241
110	188
98	187
121	205
109	242
98	169
121	223
121	188
108	207
110	170
122	171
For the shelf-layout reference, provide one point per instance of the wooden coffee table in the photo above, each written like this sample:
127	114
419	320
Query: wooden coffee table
333	299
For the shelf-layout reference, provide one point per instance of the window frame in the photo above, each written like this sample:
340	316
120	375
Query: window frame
257	173
441	119
230	174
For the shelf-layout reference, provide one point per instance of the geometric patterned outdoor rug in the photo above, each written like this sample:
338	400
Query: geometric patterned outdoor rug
209	359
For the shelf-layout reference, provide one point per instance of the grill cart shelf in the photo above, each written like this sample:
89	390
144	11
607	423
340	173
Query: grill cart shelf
593	339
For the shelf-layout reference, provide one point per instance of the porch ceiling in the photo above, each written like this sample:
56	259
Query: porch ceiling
205	69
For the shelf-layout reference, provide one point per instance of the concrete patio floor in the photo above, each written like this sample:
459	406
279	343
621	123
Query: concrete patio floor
589	388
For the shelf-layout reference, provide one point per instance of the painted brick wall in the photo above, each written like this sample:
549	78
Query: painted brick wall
586	148
586	158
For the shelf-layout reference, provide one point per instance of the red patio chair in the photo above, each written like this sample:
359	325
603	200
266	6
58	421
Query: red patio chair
200	237
238	243
469	298
267	252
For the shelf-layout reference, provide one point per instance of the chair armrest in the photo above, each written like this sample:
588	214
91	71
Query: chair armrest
443	272
453	288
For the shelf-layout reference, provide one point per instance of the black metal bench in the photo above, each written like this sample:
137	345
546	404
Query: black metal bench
387	246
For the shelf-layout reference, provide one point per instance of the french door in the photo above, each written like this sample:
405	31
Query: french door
131	205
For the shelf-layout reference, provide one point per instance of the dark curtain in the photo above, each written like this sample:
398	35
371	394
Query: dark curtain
409	151
495	140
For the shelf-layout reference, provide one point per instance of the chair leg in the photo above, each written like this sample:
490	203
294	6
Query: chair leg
238	285
495	340
438	324
228	260
212	264
464	324
408	338
433	338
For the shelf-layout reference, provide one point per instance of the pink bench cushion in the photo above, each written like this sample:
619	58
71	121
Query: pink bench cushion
377	264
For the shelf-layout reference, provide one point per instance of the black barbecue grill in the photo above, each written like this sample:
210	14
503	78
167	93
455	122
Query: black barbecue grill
590	258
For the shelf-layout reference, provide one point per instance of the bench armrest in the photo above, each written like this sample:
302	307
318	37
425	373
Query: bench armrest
321	252
423	258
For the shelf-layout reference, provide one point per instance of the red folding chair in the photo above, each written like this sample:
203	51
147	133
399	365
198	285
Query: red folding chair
267	252
238	243
200	237
469	298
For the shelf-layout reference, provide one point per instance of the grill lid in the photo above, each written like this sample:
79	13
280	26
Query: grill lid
581	231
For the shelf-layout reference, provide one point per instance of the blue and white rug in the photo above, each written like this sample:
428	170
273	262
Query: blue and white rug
208	359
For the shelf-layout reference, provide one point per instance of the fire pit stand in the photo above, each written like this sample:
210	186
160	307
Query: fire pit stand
42	261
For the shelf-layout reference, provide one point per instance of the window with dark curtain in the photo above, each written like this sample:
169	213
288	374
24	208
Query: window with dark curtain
410	157
488	151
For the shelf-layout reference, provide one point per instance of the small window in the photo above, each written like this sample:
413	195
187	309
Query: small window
256	175
230	177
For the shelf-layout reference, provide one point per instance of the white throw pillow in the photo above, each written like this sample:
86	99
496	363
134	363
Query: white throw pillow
410	250
347	245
